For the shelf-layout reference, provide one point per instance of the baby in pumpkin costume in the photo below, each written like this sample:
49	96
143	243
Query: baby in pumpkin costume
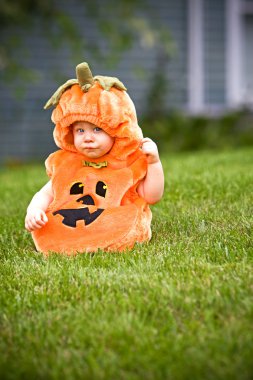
102	178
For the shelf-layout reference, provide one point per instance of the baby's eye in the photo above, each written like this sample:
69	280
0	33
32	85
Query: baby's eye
97	129
80	130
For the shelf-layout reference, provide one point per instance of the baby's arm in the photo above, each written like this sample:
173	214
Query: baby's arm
36	216
152	186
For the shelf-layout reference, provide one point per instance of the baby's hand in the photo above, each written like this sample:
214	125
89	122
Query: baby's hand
150	149
35	218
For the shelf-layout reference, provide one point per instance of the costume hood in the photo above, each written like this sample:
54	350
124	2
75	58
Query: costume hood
100	100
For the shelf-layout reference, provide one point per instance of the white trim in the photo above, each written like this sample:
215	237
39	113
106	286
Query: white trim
195	56
233	53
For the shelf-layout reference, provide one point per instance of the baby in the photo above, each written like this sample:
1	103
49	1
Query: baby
103	177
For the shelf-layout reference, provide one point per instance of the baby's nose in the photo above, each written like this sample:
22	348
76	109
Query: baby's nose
88	136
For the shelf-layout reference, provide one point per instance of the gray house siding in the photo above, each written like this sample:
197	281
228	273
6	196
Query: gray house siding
174	15
26	129
33	128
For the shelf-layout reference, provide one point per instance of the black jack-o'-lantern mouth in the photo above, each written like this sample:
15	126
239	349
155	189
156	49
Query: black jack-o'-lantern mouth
72	215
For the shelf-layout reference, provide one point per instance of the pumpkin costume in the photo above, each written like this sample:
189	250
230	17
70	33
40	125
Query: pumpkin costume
95	204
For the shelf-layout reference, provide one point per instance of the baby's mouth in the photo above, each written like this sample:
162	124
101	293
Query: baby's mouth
89	149
89	146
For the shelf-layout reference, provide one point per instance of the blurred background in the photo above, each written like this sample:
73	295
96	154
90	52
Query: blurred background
187	64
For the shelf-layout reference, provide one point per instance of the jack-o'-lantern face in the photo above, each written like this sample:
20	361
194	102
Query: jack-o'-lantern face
85	200
93	211
71	216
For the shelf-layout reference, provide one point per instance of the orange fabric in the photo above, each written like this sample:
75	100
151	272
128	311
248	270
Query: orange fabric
104	210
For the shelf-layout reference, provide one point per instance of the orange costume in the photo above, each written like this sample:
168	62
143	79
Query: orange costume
95	204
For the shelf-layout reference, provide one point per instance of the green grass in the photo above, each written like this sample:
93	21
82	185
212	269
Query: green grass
180	307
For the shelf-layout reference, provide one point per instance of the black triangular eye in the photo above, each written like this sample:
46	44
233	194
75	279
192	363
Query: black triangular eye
77	188
101	188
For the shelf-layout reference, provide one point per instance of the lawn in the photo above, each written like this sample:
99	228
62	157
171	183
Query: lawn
179	308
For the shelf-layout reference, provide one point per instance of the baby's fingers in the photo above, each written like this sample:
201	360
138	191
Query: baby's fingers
28	226
40	220
37	221
146	139
44	217
149	148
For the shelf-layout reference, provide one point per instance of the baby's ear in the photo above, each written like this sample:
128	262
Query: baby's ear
108	82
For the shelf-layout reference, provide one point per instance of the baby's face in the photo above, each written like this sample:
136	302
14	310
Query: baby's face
91	140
